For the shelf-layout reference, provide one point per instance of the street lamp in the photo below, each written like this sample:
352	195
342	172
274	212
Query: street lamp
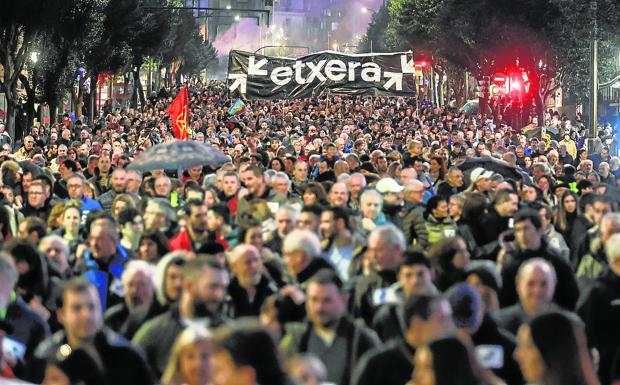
228	6
237	17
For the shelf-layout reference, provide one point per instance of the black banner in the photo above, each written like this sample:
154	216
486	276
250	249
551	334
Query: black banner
253	76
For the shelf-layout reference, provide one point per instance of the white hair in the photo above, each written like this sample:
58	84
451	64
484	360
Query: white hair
538	264
303	240
391	234
240	250
48	239
138	266
612	248
281	175
344	177
293	212
374	192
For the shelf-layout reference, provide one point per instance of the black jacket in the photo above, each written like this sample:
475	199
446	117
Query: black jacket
157	336
445	191
362	305
389	322
599	307
123	363
41	212
391	364
240	305
566	290
493	225
489	334
29	329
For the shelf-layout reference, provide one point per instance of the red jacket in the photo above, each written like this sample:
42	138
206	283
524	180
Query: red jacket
182	241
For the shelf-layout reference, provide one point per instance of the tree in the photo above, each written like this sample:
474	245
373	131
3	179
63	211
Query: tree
196	56
150	33
378	37
21	22
59	50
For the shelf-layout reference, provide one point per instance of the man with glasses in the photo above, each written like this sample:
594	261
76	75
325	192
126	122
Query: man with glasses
35	203
75	189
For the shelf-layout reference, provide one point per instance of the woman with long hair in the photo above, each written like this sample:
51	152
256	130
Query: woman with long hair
566	213
552	350
314	194
438	169
475	207
447	361
449	258
190	360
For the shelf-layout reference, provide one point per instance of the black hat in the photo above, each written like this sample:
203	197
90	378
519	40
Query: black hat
486	273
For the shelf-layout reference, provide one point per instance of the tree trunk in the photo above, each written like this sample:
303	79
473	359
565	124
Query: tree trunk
53	104
138	91
10	118
30	94
93	98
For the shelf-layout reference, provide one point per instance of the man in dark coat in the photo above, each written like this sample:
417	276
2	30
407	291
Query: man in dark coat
531	243
334	337
204	289
124	364
250	286
427	317
494	346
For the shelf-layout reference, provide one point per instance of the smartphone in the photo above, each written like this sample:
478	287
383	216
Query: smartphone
13	348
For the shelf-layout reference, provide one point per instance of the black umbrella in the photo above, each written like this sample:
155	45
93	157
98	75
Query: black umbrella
492	164
178	155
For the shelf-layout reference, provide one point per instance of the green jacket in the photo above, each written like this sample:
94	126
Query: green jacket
439	229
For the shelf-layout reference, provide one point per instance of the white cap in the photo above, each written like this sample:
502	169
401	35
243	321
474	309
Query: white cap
389	185
478	173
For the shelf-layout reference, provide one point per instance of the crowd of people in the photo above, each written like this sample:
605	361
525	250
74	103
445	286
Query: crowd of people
348	240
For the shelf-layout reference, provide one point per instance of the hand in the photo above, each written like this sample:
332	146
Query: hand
37	306
243	192
368	224
294	293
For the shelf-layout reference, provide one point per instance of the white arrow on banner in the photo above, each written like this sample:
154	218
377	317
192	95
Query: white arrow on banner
240	81
406	65
255	68
394	79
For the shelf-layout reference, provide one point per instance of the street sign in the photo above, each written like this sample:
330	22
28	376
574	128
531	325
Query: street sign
499	79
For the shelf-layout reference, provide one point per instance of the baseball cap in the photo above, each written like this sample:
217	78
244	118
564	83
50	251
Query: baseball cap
389	185
478	173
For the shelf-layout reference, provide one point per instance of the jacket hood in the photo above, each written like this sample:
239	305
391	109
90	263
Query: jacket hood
160	274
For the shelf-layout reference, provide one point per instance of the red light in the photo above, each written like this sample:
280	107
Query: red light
515	85
422	64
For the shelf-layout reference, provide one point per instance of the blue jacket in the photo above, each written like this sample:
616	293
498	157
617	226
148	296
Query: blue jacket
108	281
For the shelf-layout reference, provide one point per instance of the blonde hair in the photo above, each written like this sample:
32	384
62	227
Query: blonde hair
191	336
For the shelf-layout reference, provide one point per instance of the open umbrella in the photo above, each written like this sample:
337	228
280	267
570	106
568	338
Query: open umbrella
472	107
492	164
178	155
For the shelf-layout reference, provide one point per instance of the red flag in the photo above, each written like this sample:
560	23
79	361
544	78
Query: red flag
179	115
